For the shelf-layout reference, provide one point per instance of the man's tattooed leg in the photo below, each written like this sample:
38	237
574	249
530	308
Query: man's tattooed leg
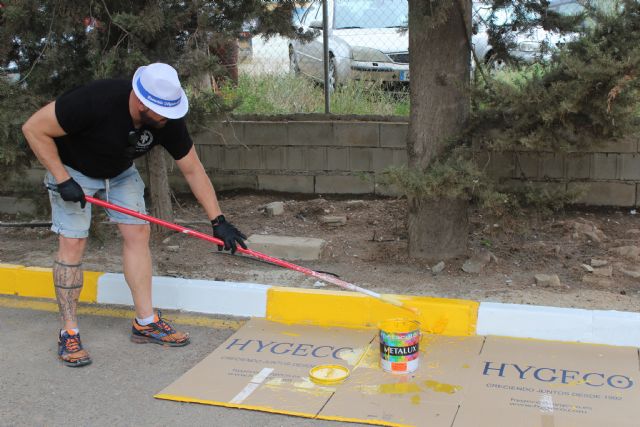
67	279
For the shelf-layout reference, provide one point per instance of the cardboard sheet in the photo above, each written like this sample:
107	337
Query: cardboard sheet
551	384
461	382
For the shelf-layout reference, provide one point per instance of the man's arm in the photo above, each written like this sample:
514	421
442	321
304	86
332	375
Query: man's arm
39	132
199	182
202	188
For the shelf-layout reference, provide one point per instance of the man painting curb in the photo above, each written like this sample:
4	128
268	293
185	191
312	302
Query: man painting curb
87	140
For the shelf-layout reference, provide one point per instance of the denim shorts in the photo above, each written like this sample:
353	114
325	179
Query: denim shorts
126	190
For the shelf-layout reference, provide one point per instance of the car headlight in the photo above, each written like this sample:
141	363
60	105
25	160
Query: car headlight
367	54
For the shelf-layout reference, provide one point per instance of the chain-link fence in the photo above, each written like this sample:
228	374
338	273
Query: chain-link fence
368	60
360	54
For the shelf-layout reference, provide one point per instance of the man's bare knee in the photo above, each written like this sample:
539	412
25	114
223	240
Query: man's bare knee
134	234
70	250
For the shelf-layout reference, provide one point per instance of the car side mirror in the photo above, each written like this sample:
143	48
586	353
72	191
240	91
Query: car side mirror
317	25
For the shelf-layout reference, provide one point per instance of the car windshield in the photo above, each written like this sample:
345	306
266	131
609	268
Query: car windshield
371	14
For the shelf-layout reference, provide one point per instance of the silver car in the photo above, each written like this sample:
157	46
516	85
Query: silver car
533	45
368	40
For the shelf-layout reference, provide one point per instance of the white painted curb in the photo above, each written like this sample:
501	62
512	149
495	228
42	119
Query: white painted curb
201	296
510	320
559	324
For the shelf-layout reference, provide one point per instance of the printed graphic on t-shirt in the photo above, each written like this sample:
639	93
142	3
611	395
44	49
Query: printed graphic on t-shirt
145	139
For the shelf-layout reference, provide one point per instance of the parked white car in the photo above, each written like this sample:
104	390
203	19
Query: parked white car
368	40
530	46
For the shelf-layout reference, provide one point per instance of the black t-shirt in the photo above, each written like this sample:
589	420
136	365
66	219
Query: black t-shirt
97	122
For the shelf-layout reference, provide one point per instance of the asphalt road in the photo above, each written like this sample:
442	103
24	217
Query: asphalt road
118	388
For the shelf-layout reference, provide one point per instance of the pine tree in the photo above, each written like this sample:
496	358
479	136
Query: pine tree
55	45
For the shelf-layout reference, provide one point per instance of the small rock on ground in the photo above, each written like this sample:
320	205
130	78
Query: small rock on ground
548	280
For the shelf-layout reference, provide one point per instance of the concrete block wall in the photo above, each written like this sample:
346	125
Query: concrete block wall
608	174
301	156
347	157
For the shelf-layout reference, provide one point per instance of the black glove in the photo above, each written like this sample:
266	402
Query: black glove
70	191
228	233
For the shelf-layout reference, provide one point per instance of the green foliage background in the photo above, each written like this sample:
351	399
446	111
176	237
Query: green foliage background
57	44
587	94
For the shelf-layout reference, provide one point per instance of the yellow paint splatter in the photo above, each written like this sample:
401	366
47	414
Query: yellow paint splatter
275	382
441	387
309	387
399	388
415	399
351	356
291	334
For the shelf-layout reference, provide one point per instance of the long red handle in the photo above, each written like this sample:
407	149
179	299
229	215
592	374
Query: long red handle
255	254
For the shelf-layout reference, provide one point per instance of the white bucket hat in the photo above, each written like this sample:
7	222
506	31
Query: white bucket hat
157	86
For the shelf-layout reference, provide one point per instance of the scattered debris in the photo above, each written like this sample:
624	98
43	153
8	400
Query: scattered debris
334	221
588	229
547	280
173	248
438	267
355	204
598	262
587	268
477	262
274	208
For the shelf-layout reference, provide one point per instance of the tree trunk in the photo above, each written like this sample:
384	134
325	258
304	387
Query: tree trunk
437	228
159	188
440	70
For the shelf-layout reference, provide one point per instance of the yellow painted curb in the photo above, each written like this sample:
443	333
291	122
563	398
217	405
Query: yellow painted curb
122	313
346	309
37	282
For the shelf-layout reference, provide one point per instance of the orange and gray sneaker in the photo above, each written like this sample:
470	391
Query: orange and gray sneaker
158	332
70	349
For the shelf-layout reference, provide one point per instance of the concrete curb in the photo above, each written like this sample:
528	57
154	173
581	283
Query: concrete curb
336	308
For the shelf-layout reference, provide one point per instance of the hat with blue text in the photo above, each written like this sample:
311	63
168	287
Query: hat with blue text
157	86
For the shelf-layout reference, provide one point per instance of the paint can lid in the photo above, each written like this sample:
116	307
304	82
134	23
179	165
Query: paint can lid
328	374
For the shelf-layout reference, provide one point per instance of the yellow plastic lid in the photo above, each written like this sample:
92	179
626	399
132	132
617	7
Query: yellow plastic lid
328	374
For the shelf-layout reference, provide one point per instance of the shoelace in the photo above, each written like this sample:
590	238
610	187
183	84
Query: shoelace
164	326
72	344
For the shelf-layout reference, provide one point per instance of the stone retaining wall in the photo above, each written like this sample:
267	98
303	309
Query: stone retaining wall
301	156
347	157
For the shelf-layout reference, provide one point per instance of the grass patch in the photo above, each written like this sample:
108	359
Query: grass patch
288	94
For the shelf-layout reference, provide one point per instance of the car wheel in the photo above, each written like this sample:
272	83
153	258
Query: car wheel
293	62
333	74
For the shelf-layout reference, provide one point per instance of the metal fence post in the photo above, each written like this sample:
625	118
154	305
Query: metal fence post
325	48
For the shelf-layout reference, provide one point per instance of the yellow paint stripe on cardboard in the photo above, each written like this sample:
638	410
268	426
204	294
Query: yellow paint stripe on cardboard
357	420
37	282
348	309
273	411
9	278
231	405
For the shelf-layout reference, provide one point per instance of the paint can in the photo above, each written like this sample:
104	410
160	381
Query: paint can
399	345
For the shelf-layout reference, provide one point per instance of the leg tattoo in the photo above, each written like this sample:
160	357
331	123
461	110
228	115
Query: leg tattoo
67	279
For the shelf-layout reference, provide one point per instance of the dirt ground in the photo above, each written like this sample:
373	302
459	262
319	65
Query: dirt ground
593	252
